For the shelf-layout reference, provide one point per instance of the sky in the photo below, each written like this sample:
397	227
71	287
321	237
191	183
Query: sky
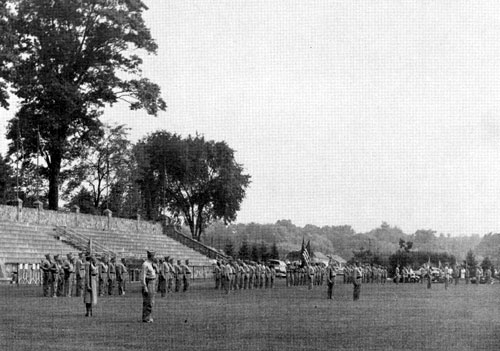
343	112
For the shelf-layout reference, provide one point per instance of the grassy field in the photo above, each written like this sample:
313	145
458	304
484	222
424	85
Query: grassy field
387	317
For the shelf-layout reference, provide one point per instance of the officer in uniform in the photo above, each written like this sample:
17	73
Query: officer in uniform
80	274
121	274
330	278
45	267
357	276
69	270
111	275
186	275
148	281
103	275
177	275
54	276
217	274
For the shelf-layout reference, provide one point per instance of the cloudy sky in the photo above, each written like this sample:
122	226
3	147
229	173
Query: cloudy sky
343	112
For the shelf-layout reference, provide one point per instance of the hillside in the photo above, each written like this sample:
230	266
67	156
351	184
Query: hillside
342	240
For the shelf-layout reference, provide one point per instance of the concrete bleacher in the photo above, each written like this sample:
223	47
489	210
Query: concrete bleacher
23	243
135	244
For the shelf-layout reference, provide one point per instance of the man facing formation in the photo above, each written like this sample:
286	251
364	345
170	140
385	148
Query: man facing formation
357	276
148	280
330	278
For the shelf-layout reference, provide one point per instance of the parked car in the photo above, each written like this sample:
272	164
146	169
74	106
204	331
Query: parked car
279	267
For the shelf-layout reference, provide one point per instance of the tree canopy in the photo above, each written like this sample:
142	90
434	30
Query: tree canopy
192	178
65	60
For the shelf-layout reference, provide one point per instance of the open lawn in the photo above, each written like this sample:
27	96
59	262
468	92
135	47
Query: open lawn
387	317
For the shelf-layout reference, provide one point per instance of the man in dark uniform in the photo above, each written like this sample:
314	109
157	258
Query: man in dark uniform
148	281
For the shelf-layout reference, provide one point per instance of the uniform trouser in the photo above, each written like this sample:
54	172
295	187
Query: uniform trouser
266	282
111	284
429	282
467	280
121	286
271	282
46	284
356	292
79	285
102	286
226	282
330	289
185	280
311	282
456	280
53	285
217	282
170	281
60	285
250	281
262	279
68	285
245	281
148	300
446	281
177	284
237	281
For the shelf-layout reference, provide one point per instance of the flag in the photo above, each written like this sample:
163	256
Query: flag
304	254
308	248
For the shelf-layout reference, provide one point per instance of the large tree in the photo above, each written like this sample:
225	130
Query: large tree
101	166
193	178
67	60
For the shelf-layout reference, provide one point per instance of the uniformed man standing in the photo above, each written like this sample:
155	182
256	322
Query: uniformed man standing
217	274
111	275
186	275
330	278
46	275
69	270
357	276
148	280
54	276
177	275
80	274
60	278
162	281
103	275
121	275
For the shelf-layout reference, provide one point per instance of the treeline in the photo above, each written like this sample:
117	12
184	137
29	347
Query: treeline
345	241
254	252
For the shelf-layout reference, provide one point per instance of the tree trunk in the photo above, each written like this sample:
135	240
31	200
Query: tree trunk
54	172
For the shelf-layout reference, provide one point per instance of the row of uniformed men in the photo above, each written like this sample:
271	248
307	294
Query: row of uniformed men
370	273
305	275
169	273
64	275
238	274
